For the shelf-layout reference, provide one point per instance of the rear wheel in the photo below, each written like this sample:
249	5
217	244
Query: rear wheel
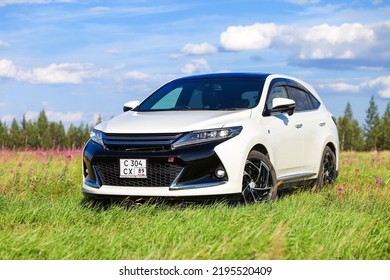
327	174
259	178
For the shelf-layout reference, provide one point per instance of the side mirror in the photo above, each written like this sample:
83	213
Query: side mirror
130	105
282	105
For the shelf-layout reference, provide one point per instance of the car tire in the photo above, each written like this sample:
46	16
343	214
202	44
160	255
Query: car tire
259	178
327	173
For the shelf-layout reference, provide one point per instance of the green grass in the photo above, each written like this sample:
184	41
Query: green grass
43	216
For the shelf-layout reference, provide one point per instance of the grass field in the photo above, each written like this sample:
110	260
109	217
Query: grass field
43	216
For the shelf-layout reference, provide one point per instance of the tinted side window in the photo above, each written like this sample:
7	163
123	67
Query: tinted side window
316	104
301	99
276	92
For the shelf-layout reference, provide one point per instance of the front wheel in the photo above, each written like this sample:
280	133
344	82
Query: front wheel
327	173
259	178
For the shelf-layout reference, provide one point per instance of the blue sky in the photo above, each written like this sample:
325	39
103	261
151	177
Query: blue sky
77	59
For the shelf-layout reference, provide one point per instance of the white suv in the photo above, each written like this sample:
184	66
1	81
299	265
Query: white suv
234	134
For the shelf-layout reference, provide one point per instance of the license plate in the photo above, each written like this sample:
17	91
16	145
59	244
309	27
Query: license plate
132	168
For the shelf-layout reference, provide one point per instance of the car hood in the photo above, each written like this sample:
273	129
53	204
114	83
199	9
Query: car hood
171	121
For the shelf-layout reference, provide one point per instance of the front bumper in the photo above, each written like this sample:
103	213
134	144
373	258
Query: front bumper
184	172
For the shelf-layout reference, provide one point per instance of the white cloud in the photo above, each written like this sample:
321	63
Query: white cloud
7	68
345	33
63	73
199	49
7	118
56	116
4	44
325	41
65	117
341	87
196	66
12	2
252	37
136	75
382	84
353	42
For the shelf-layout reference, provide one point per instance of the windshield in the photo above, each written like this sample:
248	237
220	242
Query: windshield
205	94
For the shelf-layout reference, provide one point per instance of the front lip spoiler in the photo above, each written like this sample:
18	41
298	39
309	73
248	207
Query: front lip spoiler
103	198
175	186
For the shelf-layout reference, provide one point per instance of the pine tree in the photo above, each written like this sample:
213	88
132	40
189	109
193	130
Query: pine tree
45	141
31	135
57	134
371	126
71	136
3	135
350	133
24	128
16	137
384	138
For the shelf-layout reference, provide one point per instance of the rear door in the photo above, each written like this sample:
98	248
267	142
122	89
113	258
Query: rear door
313	123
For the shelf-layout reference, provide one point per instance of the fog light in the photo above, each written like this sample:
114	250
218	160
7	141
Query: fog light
220	172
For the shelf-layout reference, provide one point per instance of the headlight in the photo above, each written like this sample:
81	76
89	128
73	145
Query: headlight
97	136
203	136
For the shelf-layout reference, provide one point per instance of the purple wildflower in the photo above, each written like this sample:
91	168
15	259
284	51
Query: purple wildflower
378	180
12	171
20	164
340	188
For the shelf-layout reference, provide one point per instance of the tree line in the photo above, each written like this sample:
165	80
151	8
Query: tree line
374	134
44	134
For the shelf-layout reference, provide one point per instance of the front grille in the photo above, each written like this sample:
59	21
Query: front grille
160	174
140	142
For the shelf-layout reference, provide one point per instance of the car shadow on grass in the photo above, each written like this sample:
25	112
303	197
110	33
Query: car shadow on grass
102	204
130	203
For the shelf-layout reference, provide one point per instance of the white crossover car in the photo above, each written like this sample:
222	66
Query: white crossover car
232	135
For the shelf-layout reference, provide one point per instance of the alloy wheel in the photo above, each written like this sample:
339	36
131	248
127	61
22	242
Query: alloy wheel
258	179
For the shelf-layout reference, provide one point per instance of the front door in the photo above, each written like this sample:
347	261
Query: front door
287	137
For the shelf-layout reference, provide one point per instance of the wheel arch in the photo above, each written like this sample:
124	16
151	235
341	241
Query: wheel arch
332	147
335	150
260	148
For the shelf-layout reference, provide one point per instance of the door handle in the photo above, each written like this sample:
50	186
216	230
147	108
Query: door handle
298	124
322	123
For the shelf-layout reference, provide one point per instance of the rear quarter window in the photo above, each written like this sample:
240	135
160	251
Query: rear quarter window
314	101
